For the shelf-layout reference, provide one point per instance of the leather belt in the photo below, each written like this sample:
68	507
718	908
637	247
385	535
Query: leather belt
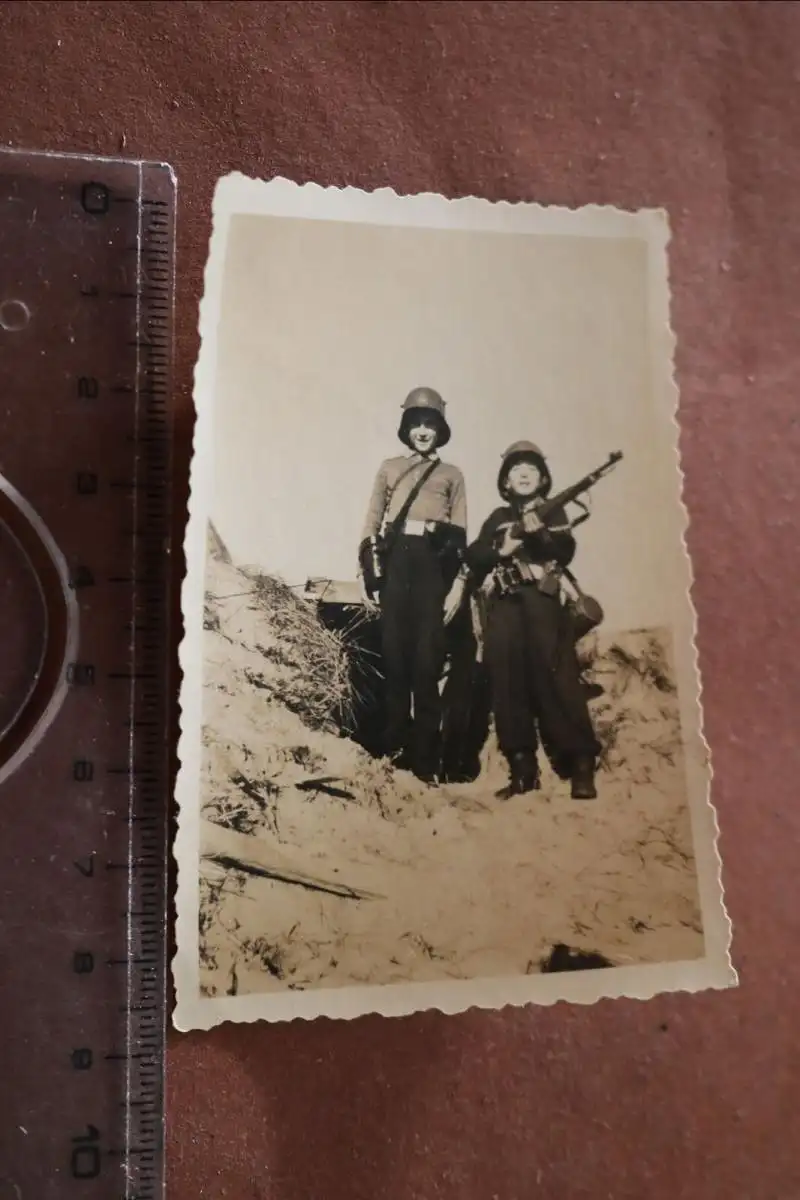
418	528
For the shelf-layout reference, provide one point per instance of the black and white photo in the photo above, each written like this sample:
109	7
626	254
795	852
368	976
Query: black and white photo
441	736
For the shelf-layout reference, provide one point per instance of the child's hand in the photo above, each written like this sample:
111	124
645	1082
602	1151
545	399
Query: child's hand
370	599
509	544
454	599
531	522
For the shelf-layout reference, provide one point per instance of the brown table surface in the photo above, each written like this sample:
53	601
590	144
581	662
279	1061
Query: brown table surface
694	106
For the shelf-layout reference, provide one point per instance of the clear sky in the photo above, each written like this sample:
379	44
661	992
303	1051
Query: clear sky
327	325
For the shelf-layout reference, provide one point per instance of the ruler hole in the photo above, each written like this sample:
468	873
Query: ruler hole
14	315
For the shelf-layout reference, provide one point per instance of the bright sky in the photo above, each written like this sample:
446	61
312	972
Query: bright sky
327	325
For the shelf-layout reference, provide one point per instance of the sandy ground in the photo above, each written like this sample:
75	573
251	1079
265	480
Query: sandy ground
461	883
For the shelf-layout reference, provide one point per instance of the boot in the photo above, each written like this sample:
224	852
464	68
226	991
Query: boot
426	769
524	773
459	775
583	786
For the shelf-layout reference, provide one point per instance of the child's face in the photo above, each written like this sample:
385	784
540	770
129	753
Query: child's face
524	479
423	435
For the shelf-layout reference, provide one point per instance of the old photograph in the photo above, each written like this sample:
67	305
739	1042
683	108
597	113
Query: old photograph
441	734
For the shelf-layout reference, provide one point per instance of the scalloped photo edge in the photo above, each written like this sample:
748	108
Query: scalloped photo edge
443	982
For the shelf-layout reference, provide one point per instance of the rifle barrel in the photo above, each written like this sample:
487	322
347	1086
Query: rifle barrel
576	489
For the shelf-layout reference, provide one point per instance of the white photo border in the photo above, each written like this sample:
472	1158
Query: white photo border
237	194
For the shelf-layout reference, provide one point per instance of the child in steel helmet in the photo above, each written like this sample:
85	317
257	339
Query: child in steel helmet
412	541
534	674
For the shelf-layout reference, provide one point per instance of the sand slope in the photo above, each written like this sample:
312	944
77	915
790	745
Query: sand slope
461	883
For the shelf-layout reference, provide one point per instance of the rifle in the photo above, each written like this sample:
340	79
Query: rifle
513	572
546	508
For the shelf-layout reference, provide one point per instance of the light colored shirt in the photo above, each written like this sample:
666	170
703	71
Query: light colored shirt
441	498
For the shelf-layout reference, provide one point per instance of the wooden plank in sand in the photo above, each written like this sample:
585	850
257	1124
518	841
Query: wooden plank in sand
246	852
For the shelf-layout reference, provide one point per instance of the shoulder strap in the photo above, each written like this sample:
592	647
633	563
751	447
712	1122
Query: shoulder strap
403	475
399	520
565	571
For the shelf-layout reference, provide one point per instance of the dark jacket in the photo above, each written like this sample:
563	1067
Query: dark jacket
555	543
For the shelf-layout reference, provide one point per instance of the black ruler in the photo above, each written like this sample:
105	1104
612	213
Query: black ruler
86	302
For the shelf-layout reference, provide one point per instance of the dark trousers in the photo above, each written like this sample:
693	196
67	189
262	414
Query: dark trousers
535	679
412	607
466	701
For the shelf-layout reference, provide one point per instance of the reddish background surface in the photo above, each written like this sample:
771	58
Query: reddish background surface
694	106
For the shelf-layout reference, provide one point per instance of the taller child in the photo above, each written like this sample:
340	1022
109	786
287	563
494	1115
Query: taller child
421	502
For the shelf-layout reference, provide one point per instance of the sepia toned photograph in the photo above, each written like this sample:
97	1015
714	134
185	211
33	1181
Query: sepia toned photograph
441	735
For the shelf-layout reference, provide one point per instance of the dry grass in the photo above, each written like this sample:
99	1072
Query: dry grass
316	679
650	664
638	705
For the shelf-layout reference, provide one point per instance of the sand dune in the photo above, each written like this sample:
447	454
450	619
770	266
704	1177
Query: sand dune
459	883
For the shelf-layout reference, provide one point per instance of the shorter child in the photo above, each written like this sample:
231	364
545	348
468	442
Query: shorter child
534	675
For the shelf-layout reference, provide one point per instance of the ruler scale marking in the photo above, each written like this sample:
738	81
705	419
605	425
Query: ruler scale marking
70	1096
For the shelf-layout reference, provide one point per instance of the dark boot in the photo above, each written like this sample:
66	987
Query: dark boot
427	777
427	768
459	775
524	773
583	785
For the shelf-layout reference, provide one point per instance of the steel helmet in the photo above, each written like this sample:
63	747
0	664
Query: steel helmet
424	399
519	452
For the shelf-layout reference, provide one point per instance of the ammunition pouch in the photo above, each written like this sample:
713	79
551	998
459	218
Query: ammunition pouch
448	543
515	573
586	614
372	554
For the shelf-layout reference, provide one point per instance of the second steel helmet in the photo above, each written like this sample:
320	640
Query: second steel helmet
520	452
428	401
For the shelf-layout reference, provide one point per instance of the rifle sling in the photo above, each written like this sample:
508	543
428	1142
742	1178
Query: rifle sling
569	575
